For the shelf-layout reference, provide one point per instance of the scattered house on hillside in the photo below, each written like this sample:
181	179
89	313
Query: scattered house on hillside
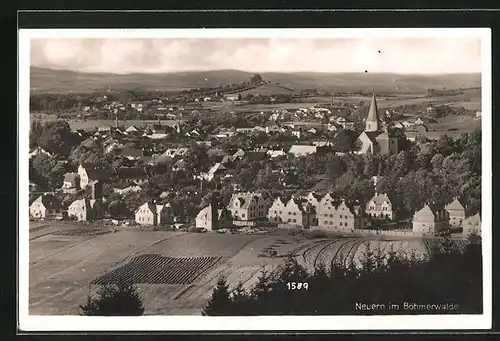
456	211
332	127
276	153
379	207
231	97
179	165
132	130
39	151
240	153
157	136
104	129
86	209
302	150
90	172
135	174
322	143
132	153
248	206
211	218
127	187
430	219
216	170
255	156
419	121
46	206
175	152
153	214
408	124
344	215
472	225
71	183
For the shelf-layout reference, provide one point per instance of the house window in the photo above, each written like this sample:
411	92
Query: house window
294	221
243	215
281	212
331	215
294	213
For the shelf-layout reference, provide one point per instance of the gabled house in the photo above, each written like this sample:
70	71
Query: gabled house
39	151
302	150
216	170
248	206
153	214
86	209
471	225
89	172
430	219
127	187
132	130
71	182
132	153
314	199
456	211
299	212
380	207
212	218
276	211
46	206
179	165
136	174
340	215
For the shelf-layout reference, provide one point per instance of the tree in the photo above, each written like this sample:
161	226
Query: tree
256	79
36	131
335	166
49	170
220	300
57	138
119	299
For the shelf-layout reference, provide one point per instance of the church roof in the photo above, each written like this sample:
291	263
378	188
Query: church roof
373	112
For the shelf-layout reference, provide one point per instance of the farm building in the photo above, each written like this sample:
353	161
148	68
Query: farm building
86	209
45	206
430	219
456	211
471	225
379	207
248	206
88	172
216	170
71	182
376	139
153	214
343	215
212	218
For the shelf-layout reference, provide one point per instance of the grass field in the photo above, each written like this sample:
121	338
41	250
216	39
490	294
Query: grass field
175	272
63	81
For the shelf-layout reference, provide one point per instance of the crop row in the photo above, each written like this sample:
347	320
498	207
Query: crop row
80	232
155	269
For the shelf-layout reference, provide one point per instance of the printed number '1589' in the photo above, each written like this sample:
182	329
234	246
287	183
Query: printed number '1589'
297	286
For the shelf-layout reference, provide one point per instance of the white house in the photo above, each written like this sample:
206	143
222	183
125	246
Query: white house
153	214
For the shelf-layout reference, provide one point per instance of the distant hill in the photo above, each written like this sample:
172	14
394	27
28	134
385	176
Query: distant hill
62	81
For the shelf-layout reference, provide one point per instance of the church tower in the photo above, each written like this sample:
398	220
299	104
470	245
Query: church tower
373	123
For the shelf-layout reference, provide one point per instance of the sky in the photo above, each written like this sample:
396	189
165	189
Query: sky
133	55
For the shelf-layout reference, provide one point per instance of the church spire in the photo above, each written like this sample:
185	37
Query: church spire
373	120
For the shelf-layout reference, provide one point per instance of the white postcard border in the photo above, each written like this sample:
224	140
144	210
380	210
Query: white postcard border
28	322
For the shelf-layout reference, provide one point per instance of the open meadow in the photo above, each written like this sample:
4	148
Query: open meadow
174	271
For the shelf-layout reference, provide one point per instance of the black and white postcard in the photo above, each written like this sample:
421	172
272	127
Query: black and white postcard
241	179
